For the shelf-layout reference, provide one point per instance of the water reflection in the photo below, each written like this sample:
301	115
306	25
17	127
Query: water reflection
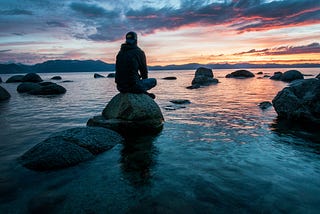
137	159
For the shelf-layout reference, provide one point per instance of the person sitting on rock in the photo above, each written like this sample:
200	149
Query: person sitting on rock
131	68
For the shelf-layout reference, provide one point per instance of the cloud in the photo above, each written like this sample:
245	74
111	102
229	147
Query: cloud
3	51
285	50
91	10
56	24
15	12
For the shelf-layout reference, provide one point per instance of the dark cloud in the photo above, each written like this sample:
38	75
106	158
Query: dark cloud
91	10
3	51
15	12
56	24
285	50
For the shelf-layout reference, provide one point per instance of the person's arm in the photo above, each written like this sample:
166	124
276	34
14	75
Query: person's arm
143	66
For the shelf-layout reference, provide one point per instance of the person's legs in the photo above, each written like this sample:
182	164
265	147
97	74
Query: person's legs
149	83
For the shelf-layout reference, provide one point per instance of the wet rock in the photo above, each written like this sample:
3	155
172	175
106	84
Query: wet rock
0	80
98	76
318	76
180	101
203	76
56	78
264	105
291	75
32	77
15	78
43	88
195	86
240	74
169	78
266	76
129	114
46	202
4	94
69	147
111	75
276	76
260	72
67	81
300	101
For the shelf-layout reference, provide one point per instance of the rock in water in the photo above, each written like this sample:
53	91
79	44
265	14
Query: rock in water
265	104
276	75
203	76
0	80
56	78
291	75
4	94
98	75
32	77
318	76
240	74
43	88
129	114
15	78
69	147
111	75
300	101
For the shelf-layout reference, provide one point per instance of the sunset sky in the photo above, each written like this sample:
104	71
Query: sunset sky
169	31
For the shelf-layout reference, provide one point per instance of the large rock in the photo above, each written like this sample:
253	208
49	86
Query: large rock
32	77
69	147
43	88
4	94
300	101
129	113
203	77
240	74
276	75
291	75
15	78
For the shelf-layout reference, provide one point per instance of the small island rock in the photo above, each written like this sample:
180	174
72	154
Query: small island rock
4	94
69	147
299	102
15	78
264	105
276	75
318	76
169	78
43	88
240	74
129	113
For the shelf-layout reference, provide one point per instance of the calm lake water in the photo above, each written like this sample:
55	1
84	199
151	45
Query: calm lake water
219	154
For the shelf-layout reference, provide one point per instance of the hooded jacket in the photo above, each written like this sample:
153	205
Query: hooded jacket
131	65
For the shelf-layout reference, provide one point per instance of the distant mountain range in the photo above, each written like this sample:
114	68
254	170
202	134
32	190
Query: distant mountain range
58	66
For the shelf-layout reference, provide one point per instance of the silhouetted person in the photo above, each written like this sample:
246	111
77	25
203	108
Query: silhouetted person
131	68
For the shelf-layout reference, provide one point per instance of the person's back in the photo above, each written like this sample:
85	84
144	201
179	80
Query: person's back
131	66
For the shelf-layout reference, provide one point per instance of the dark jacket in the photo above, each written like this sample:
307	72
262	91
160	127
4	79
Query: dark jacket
131	65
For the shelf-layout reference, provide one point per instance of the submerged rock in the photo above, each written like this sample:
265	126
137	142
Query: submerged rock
180	101
4	94
32	77
264	105
240	74
98	76
300	101
129	113
15	78
169	78
69	147
43	88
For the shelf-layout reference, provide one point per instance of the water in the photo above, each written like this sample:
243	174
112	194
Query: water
219	154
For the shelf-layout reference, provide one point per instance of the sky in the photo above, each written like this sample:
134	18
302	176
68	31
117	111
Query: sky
169	31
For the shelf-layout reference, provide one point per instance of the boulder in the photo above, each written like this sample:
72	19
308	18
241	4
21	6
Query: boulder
98	75
43	88
260	72
56	78
291	75
299	102
180	101
276	76
15	78
69	147
240	74
0	80
32	77
318	76
203	76
129	114
111	75
4	94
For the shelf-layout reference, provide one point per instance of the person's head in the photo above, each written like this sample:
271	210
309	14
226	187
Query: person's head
131	38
